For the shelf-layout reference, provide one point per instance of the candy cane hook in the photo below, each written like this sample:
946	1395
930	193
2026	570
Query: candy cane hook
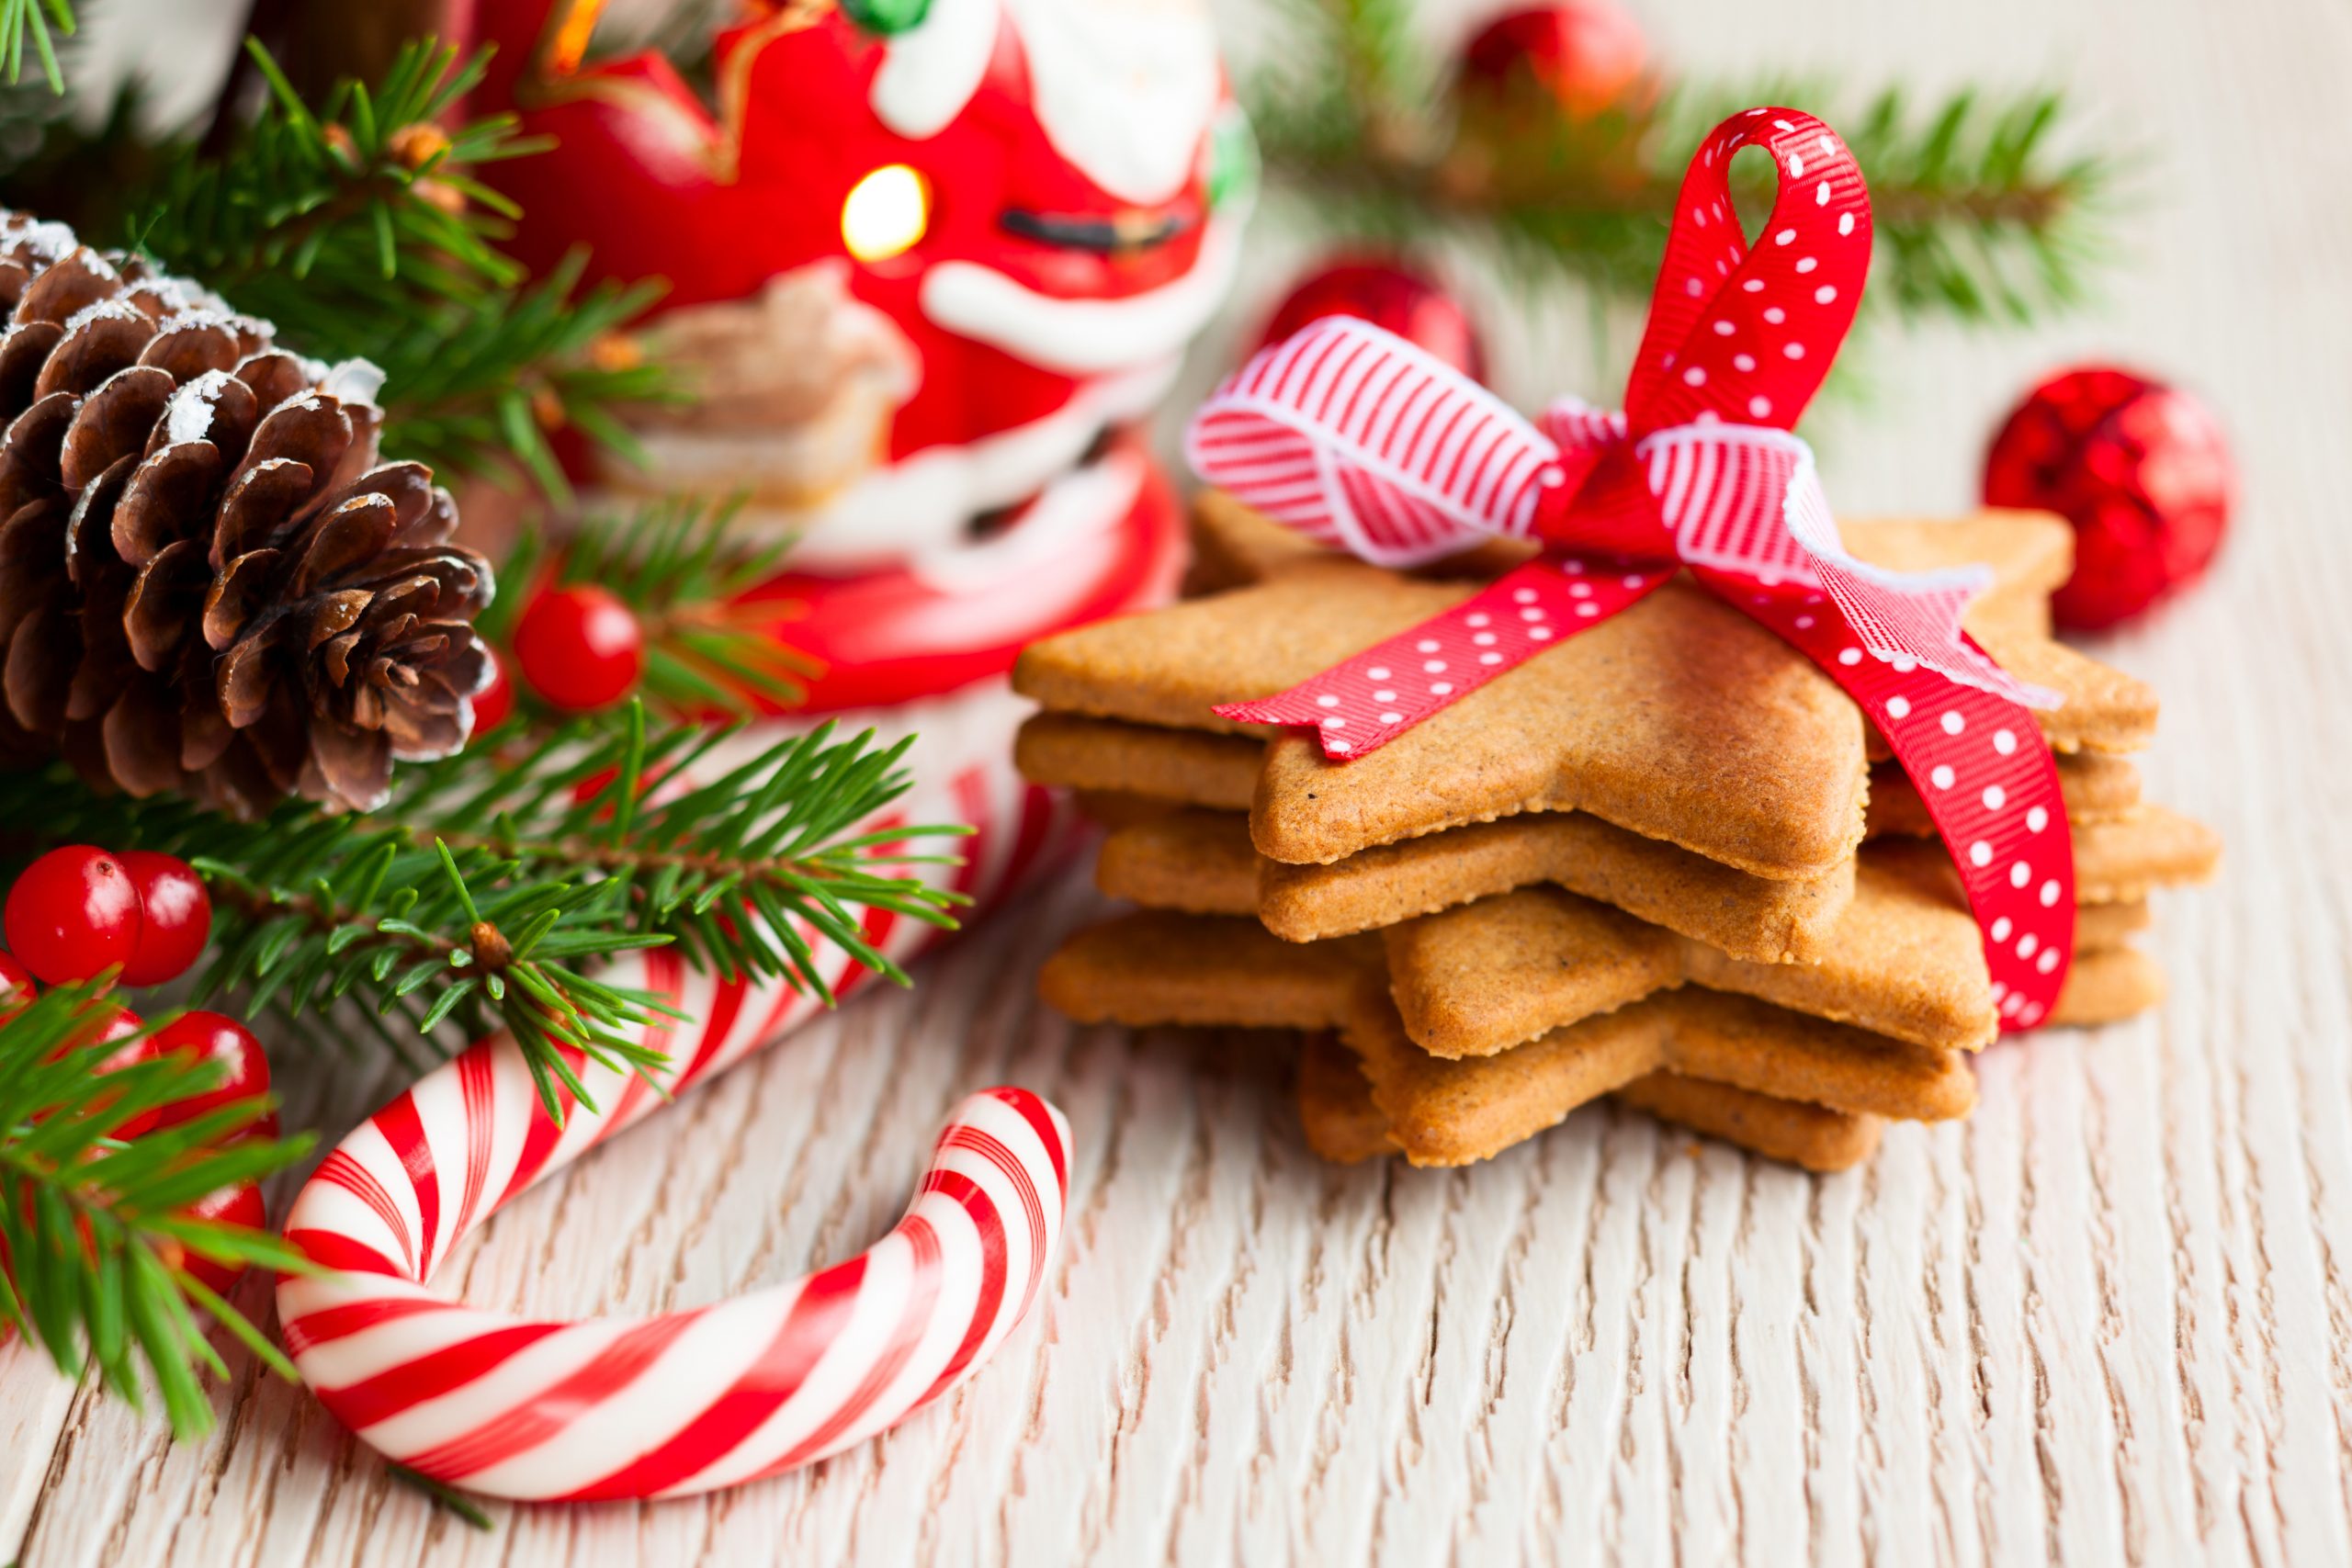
684	1401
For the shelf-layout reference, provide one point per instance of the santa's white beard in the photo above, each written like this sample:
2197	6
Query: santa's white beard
1126	89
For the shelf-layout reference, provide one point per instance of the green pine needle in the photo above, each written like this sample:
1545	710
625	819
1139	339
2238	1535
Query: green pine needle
94	1241
1987	207
493	883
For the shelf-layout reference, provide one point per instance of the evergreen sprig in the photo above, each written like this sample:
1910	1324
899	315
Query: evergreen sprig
358	227
681	568
493	883
95	1242
1984	214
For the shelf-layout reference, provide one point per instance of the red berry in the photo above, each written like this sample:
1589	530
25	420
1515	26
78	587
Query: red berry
579	647
175	916
2141	470
73	914
1387	295
120	1023
237	1205
495	702
222	1039
16	990
1588	55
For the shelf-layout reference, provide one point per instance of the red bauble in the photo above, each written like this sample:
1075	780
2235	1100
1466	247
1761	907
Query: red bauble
217	1038
237	1205
73	914
16	990
175	916
1387	295
495	702
120	1024
2141	470
579	647
1588	54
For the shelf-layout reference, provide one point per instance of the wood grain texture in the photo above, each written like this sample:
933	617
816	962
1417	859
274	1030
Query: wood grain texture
2109	1319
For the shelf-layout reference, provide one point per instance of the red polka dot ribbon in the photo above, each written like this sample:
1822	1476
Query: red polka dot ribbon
1362	441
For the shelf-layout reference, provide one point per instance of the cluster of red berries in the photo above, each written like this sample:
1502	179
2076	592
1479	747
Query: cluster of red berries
80	912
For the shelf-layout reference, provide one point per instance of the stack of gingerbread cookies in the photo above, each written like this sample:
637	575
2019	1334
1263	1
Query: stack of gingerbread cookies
1667	861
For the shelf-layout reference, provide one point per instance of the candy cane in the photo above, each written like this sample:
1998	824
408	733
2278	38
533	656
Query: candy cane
690	1401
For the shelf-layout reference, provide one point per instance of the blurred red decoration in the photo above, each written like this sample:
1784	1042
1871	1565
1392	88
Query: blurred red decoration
175	916
579	647
495	702
2140	470
1589	55
1387	294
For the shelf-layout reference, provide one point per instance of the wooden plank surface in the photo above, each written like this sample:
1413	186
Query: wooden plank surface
2109	1319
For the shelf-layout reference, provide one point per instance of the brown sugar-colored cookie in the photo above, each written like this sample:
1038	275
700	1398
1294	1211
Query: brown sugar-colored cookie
2105	710
1681	719
1748	916
1199	862
2099	926
2095	787
1335	1105
1441	1112
2103	987
1343	1126
1905	960
1150	760
1149	967
1490	976
1234	544
2148	846
1116	809
1811	1137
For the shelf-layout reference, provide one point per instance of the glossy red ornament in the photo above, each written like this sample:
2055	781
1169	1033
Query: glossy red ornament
218	1038
494	703
579	647
237	1205
1387	294
175	916
72	915
1589	55
2140	470
120	1024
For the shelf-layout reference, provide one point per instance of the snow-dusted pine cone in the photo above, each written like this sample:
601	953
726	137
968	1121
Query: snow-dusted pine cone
208	582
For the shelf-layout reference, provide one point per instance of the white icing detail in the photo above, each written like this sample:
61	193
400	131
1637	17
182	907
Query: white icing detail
103	310
919	504
1126	89
930	72
1082	337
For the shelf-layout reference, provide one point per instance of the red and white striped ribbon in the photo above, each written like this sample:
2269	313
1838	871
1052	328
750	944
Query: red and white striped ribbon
1361	440
690	1401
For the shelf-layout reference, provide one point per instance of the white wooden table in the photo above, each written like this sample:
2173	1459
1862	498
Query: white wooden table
2108	1319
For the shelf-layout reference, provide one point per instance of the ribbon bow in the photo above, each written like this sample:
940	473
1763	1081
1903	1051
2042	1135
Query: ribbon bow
1359	440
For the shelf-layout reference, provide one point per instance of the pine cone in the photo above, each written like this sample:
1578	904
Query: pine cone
208	582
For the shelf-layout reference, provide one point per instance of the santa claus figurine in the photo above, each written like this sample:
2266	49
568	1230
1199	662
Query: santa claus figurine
926	261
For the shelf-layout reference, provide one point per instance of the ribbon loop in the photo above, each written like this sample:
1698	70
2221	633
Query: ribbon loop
1746	334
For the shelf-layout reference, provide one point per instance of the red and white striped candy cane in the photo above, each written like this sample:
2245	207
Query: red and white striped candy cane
689	1401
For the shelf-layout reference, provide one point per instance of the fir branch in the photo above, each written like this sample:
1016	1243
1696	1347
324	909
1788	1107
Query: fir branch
1982	213
358	228
678	565
490	886
94	1245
